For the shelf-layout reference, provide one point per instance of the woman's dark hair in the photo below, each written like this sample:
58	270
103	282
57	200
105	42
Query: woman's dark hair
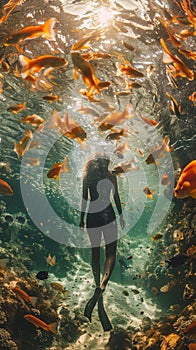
96	169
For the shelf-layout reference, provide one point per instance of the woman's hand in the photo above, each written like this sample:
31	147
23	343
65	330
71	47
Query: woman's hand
122	221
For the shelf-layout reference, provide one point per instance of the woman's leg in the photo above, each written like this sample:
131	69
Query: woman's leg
95	239
110	235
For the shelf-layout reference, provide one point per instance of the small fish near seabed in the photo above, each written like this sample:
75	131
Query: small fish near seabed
42	275
5	188
52	327
45	30
177	260
156	237
23	295
186	185
51	260
60	288
37	64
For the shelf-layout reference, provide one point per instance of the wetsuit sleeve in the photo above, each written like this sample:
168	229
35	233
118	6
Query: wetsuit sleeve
116	196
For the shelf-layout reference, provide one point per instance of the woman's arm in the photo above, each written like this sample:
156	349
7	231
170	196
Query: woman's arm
117	202
84	201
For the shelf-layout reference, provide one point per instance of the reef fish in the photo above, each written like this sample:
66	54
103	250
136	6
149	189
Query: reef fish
24	144
42	275
17	108
46	30
5	188
125	166
60	288
39	63
34	120
159	152
57	168
22	294
192	346
177	260
52	327
186	185
87	71
116	118
149	193
191	328
157	237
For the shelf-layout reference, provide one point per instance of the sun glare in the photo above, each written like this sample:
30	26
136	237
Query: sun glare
105	16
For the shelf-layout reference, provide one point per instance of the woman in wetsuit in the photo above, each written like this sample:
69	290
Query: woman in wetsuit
100	183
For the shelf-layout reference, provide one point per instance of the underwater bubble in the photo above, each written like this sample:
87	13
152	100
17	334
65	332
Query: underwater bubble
8	218
21	219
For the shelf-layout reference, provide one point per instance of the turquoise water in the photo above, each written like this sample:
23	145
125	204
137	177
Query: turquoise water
42	216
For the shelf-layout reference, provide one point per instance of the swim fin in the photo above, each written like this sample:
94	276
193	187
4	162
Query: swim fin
103	316
92	302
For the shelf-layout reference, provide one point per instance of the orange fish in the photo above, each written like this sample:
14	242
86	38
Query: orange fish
116	135
188	54
175	107
128	46
34	120
51	260
149	121
46	30
165	180
170	72
149	193
39	63
8	8
52	327
186	185
181	68
92	36
24	144
120	149
25	296
172	37
32	162
186	5
191	329
5	188
115	118
51	98
192	346
57	168
124	167
133	85
72	129
159	152
87	72
17	108
140	151
193	98
130	71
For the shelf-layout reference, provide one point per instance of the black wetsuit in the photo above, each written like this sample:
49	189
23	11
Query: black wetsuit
100	211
